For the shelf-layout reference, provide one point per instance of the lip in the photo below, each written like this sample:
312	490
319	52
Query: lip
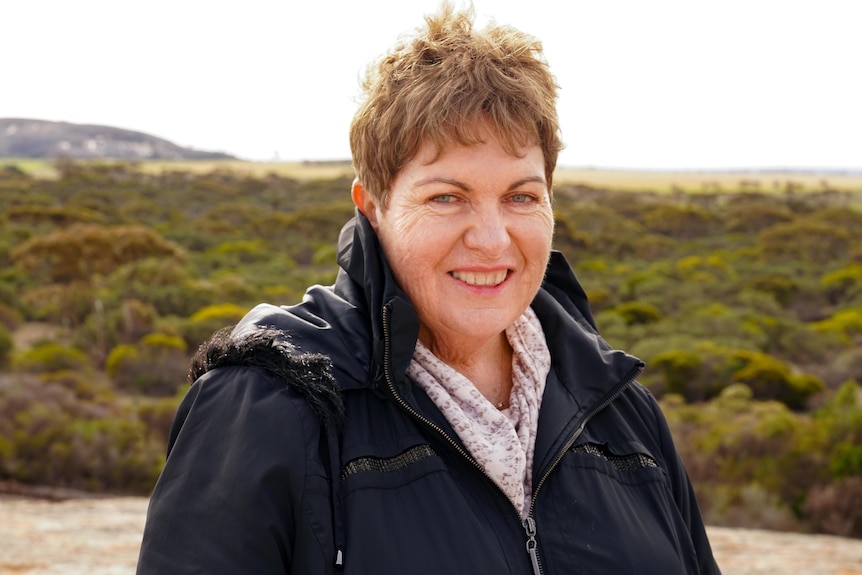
481	278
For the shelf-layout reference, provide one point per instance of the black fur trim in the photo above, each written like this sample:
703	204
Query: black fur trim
308	374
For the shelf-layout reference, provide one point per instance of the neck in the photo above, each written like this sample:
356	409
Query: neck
487	364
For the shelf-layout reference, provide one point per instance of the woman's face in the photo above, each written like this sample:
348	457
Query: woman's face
468	236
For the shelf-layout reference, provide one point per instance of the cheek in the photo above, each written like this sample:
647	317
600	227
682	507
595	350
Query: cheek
539	234
409	224
548	221
415	234
406	245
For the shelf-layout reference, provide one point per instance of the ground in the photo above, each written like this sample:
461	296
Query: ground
102	536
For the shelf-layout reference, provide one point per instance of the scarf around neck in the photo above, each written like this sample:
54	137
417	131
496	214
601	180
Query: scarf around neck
502	442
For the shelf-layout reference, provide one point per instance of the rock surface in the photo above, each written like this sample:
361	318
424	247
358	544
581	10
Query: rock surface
101	536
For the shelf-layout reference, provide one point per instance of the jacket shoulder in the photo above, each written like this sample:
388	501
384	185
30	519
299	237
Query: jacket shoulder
269	349
243	475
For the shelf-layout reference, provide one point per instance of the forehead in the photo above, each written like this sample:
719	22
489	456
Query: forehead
487	157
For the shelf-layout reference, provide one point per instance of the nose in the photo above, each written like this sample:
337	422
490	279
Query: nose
488	232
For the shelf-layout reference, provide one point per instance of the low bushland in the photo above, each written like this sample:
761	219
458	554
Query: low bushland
746	307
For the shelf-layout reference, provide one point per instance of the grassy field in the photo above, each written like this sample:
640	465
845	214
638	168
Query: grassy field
629	180
710	182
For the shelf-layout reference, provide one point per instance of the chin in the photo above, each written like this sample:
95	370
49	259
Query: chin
485	324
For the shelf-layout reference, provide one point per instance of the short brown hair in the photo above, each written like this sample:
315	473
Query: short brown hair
443	85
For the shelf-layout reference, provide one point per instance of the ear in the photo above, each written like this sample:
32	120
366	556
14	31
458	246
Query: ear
364	201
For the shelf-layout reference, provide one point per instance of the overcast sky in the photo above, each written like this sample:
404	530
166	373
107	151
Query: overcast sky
655	84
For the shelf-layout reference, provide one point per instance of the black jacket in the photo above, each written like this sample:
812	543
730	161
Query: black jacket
303	448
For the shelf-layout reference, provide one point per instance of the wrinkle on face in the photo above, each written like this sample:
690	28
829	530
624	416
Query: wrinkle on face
454	224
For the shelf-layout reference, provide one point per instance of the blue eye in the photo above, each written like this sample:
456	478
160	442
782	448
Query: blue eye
444	198
521	198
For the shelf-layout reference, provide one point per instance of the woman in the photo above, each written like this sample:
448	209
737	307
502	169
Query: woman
447	406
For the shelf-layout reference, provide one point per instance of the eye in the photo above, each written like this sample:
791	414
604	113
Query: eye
444	198
522	198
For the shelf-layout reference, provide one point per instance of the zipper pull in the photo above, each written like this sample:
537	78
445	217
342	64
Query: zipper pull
530	528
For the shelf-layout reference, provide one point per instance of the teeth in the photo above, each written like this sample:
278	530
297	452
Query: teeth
480	279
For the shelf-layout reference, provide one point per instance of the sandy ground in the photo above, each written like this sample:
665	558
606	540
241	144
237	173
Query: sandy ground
101	536
72	537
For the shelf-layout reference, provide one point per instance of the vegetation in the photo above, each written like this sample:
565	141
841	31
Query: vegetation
745	304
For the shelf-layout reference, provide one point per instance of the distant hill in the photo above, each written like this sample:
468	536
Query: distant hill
23	138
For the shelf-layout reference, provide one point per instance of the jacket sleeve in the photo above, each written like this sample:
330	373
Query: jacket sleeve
684	496
228	498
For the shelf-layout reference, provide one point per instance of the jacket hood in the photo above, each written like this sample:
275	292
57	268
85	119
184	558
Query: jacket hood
363	263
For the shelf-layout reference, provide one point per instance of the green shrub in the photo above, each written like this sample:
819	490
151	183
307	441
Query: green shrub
87	386
206	321
10	318
704	370
847	324
834	508
840	217
600	299
7	344
120	356
167	285
839	425
238	252
681	369
48	357
115	453
770	378
225	313
56	215
750	506
229	286
753	461
636	313
163	342
48	436
158	415
782	288
846	460
81	251
805	241
68	304
680	221
752	217
157	365
843	284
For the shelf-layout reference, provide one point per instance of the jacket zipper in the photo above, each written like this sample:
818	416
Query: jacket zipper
406	406
529	524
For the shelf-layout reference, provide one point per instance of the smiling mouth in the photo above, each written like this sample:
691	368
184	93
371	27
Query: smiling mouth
481	279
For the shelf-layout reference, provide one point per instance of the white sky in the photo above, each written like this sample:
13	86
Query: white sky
655	84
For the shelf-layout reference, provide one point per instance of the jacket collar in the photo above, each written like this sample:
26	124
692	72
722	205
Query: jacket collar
561	305
346	322
393	324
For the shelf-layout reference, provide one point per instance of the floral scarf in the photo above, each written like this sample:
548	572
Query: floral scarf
502	442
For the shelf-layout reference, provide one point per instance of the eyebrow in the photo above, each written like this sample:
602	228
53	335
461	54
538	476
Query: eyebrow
466	188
